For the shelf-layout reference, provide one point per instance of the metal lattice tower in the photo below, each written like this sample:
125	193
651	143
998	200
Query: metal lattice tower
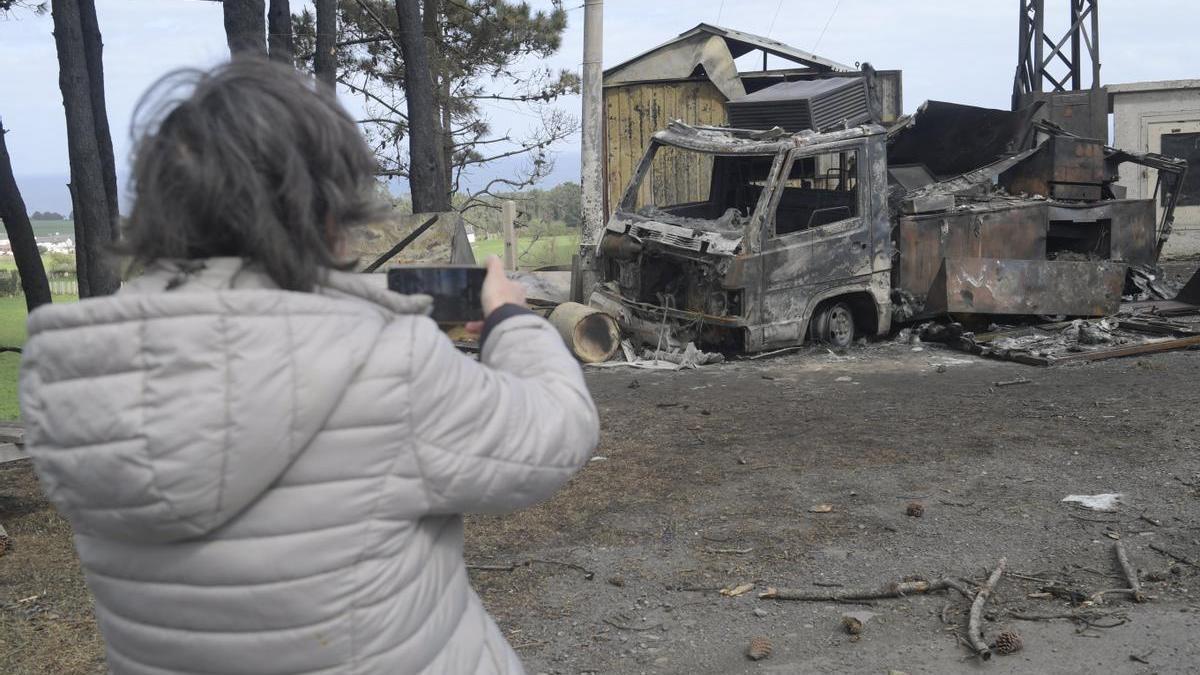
1048	65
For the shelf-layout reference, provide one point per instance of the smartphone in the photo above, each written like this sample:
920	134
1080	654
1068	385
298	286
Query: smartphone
456	289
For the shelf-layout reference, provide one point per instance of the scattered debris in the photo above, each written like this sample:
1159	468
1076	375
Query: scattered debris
733	551
892	590
852	625
1107	502
974	630
853	622
915	509
759	612
1135	586
1012	383
5	541
821	508
1183	559
734	591
587	574
759	649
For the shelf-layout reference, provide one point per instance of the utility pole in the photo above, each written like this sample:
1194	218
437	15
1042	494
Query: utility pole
592	178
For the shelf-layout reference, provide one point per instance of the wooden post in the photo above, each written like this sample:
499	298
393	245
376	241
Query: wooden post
508	218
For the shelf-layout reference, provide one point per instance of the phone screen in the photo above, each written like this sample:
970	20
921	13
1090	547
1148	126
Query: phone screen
455	289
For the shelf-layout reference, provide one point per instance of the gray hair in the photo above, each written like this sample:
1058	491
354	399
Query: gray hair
256	161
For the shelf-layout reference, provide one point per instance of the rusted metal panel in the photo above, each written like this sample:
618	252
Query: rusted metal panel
1010	232
1075	162
1026	287
1132	237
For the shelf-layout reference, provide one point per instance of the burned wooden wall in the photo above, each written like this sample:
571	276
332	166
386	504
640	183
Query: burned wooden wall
633	112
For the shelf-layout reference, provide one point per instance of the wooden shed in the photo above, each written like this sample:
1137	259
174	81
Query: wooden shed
690	78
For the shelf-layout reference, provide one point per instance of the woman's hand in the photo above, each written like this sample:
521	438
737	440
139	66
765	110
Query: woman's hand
498	290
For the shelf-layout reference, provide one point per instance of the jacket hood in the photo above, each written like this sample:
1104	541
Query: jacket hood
158	415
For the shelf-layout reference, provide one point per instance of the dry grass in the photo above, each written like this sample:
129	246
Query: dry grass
46	622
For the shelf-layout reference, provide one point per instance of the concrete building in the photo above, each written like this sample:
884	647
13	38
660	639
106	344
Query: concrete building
1162	117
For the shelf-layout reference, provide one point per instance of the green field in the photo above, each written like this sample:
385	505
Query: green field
546	251
50	228
12	334
51	262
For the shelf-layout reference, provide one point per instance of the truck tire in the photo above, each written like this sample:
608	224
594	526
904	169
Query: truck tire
834	325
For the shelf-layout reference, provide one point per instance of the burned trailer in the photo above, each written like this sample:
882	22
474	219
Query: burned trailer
1037	230
770	236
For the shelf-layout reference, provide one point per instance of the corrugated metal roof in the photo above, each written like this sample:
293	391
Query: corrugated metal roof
740	43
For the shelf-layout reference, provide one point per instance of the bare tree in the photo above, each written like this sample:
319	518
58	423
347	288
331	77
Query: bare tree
279	31
427	179
325	52
20	233
90	193
245	25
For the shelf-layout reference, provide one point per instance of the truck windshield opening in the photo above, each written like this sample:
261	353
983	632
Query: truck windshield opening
688	185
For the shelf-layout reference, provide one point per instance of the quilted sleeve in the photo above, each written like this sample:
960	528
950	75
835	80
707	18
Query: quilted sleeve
504	432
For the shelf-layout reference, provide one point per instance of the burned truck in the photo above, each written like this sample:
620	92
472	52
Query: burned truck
745	240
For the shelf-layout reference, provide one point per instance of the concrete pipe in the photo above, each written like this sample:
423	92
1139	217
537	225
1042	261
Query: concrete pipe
590	334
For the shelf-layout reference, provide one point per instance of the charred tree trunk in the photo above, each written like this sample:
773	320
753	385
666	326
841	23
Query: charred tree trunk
325	55
245	26
279	32
431	27
427	181
93	49
20	234
89	195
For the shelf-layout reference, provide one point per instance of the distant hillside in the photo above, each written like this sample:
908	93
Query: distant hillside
49	192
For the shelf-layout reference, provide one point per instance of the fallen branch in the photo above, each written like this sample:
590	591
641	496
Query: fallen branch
587	574
1010	383
893	590
1183	559
974	631
493	568
1135	586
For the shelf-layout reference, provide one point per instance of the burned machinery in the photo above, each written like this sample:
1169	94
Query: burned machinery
746	240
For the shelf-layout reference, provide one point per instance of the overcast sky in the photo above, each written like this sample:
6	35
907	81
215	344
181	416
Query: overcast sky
954	50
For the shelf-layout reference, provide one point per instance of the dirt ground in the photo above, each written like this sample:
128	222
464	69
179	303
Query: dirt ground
708	479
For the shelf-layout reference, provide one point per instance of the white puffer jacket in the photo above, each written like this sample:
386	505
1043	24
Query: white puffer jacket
267	482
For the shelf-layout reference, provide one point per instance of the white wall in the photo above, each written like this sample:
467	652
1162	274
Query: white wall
1135	108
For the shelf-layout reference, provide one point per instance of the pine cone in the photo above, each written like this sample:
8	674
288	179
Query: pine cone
915	509
1007	642
760	648
852	625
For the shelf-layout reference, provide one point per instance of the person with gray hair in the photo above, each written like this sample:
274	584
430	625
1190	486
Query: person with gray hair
265	458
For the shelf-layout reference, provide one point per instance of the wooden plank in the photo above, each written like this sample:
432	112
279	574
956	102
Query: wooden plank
12	433
612	138
1131	350
11	453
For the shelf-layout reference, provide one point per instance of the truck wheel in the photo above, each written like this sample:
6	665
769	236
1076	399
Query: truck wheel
834	325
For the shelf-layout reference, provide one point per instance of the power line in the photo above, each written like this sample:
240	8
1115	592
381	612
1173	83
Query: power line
720	12
827	21
772	28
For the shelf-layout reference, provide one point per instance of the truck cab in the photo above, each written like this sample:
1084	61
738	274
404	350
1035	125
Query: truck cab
751	240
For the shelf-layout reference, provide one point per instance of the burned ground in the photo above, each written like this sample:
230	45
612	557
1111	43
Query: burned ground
708	479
